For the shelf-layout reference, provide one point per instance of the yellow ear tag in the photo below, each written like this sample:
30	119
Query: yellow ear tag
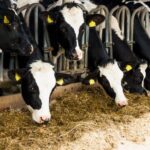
128	67
17	77
91	81
60	82
6	21
50	20
92	23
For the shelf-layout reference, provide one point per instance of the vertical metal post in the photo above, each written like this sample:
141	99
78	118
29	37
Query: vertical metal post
1	65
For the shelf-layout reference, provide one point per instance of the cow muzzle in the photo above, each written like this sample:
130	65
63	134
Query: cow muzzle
41	119
28	49
76	55
121	103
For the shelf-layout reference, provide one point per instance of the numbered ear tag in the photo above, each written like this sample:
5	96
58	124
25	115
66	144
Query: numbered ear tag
17	77
60	82
92	24
91	81
6	21
128	67
50	20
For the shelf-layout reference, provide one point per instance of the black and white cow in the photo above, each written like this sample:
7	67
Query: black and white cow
37	77
142	40
65	26
37	83
12	34
142	50
107	72
129	64
132	80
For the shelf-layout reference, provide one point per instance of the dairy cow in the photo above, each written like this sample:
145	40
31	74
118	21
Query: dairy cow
37	80
129	64
65	25
107	71
142	50
142	40
12	34
132	80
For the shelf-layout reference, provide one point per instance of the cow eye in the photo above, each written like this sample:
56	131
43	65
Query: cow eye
31	88
63	30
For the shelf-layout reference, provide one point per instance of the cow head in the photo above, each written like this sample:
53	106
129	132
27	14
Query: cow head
133	77
12	34
110	77
69	21
37	83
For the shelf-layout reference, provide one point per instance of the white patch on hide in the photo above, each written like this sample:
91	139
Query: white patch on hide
114	75
21	3
114	26
13	2
143	71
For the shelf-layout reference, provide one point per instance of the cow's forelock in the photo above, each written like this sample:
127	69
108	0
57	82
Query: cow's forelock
114	75
13	2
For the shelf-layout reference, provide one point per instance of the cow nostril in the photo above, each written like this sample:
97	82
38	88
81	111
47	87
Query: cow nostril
44	120
31	49
75	56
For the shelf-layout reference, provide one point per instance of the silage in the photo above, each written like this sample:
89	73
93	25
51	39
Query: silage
72	115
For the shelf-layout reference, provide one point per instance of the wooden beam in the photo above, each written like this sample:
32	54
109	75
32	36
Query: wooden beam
16	101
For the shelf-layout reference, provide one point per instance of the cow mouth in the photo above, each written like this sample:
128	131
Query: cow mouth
73	56
27	50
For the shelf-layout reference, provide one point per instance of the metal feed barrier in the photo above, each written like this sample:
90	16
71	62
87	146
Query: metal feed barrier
123	15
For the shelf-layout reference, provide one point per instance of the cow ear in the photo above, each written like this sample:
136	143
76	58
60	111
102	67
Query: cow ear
17	74
93	20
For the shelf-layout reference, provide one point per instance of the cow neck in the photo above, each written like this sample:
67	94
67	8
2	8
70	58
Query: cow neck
25	61
96	48
142	45
121	50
